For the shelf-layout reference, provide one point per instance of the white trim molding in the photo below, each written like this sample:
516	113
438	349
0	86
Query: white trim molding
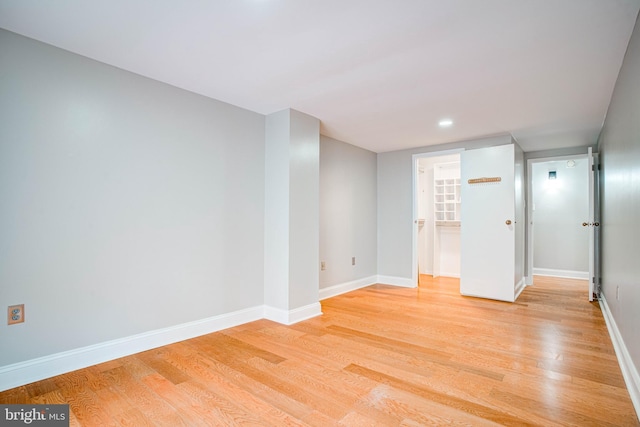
404	282
629	371
343	288
569	274
455	275
26	372
289	317
520	287
29	371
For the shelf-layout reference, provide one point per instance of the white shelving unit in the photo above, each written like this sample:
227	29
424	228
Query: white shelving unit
446	193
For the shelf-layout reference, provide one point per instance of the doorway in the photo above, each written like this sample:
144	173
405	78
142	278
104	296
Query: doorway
437	214
491	225
589	223
559	207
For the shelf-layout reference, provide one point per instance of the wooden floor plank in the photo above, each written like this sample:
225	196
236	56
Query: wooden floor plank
455	404
381	355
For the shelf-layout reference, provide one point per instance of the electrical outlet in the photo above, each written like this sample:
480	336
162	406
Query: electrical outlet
353	260
15	314
323	266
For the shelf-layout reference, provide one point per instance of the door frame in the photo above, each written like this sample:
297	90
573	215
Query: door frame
529	208
414	203
594	225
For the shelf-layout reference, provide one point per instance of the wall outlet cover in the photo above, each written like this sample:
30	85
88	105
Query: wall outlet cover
15	314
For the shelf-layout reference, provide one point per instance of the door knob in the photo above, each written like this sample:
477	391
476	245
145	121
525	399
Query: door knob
508	222
584	224
597	224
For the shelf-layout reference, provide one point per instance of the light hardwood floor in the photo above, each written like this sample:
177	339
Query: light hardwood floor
381	355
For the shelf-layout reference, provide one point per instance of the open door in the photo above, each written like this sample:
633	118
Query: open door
488	223
594	226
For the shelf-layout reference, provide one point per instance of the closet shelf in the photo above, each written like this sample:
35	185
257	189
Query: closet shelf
450	223
446	199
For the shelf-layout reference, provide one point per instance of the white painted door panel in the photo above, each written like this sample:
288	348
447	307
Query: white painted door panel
594	225
590	225
488	224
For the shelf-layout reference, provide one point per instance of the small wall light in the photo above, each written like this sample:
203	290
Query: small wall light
552	174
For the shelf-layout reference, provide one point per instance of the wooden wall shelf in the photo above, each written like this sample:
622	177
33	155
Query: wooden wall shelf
484	180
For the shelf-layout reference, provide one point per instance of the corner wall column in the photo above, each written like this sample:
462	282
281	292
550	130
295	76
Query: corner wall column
292	220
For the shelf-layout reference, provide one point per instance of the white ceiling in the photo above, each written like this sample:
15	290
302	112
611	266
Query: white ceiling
379	74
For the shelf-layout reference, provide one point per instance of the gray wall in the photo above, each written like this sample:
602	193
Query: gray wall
395	203
571	151
559	239
292	141
619	147
304	216
127	205
348	217
276	216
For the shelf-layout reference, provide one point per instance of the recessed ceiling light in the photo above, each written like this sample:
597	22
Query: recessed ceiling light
445	123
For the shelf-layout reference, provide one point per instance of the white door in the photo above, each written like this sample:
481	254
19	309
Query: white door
593	224
488	223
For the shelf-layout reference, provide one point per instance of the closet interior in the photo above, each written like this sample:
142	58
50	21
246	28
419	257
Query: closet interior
439	205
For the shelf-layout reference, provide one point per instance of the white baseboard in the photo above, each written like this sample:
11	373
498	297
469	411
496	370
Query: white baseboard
396	281
629	371
342	288
448	274
569	274
289	317
519	288
528	280
26	372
